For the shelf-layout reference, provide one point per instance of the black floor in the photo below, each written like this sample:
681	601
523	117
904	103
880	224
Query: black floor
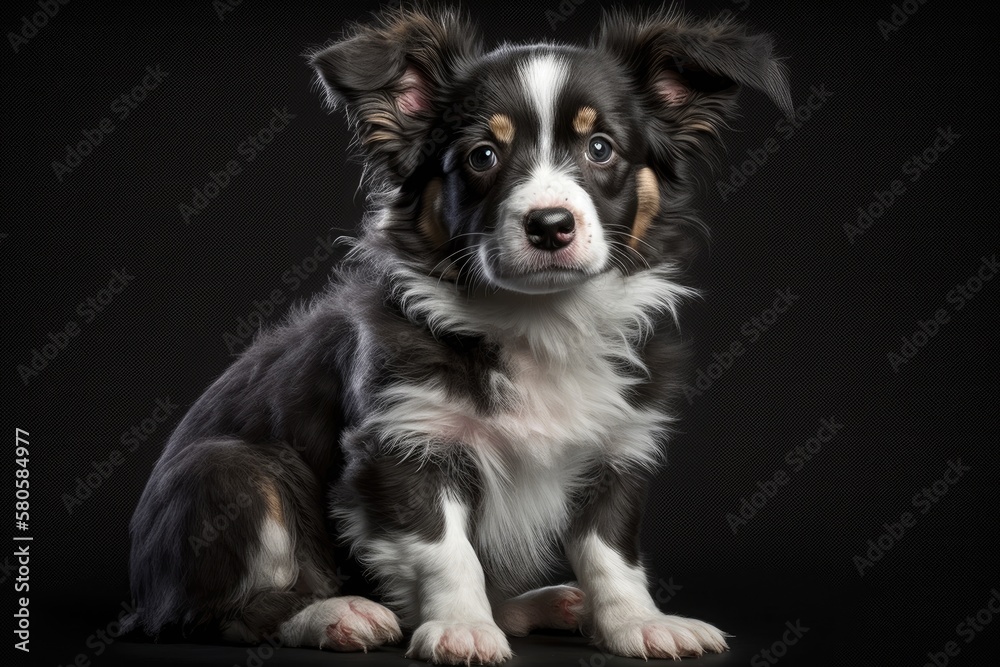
905	622
537	649
533	650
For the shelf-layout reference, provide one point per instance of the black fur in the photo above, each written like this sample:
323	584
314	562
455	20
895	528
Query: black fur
611	507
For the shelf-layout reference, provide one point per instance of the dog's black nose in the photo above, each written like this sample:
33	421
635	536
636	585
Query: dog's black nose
550	228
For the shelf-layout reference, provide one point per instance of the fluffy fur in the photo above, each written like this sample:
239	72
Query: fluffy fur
482	393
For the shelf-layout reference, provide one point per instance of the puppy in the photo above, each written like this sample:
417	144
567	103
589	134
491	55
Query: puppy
484	390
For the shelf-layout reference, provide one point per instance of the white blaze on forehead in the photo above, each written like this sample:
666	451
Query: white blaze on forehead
543	77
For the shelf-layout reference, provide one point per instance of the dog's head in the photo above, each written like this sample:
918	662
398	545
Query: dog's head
533	168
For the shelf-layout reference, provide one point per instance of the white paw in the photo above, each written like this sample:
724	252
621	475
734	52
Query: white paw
347	623
445	643
660	636
553	607
361	624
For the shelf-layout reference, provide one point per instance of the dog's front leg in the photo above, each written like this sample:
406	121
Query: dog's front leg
410	522
603	551
456	624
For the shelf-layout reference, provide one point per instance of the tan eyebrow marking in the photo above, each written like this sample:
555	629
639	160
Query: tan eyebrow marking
585	119
648	193
502	128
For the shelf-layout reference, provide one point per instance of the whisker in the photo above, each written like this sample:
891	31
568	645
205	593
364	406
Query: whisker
458	236
457	252
632	252
468	258
625	230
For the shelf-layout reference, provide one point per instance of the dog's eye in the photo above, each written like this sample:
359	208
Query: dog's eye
599	150
482	158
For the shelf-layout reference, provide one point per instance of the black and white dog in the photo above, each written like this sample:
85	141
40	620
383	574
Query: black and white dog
485	388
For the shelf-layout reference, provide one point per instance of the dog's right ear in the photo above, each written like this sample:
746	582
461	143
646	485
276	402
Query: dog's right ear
687	74
389	75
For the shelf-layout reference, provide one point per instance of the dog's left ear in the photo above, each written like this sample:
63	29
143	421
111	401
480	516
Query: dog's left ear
687	73
389	74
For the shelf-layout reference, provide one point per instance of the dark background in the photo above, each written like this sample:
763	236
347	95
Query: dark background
826	357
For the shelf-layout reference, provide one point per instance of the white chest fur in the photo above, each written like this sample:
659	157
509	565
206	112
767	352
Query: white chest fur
565	406
532	452
565	392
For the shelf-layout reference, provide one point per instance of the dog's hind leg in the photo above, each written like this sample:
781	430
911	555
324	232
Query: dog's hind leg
230	537
313	618
551	608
